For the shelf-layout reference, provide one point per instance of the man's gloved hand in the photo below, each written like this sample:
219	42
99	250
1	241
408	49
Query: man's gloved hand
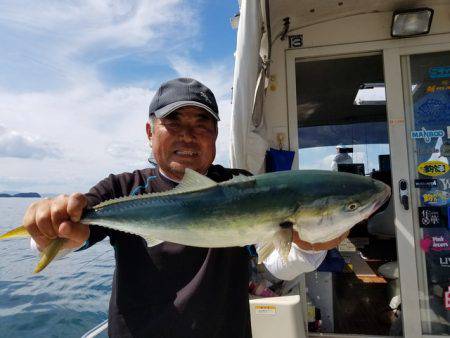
318	246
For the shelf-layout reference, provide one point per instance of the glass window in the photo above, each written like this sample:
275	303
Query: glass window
430	146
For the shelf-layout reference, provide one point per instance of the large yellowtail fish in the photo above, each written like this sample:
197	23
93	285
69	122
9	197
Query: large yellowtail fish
264	209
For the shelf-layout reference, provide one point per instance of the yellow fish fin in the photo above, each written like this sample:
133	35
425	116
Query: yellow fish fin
17	232
49	253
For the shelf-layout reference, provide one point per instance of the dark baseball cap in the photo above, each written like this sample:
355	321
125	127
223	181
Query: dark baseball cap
182	92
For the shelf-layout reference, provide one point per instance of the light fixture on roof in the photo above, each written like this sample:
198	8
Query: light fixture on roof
370	94
411	22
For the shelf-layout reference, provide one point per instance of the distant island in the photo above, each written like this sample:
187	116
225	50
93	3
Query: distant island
21	194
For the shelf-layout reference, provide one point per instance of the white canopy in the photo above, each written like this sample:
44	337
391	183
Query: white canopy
247	147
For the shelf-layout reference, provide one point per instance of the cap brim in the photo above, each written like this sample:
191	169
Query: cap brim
170	108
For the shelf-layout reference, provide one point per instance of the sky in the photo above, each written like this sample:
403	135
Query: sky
77	79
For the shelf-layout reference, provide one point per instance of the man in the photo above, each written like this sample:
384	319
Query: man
168	290
341	157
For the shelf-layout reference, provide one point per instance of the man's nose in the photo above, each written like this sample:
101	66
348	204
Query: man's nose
187	134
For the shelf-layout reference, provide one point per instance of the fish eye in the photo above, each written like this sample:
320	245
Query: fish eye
352	206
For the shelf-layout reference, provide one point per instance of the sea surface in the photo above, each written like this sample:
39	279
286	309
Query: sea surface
66	299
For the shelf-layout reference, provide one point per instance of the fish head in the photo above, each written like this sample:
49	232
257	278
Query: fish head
335	203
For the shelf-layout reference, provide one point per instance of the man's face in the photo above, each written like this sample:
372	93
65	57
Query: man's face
185	138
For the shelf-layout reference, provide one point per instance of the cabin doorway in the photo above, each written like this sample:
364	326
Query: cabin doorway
342	125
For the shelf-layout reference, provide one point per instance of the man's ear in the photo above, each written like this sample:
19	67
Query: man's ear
148	129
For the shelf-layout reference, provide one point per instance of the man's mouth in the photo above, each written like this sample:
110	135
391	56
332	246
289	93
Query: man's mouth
187	153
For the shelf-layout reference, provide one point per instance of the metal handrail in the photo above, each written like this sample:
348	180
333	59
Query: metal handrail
94	332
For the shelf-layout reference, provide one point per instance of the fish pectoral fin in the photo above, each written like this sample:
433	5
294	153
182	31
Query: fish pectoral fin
15	233
281	241
152	241
264	250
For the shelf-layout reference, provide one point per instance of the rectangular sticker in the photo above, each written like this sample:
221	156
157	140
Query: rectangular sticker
266	309
426	183
430	217
435	198
436	242
439	72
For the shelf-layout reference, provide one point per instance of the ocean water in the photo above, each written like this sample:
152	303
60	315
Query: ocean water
65	300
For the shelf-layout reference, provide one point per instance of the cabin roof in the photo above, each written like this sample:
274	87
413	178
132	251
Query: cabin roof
308	12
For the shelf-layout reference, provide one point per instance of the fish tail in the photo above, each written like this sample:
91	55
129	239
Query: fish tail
49	253
281	241
15	233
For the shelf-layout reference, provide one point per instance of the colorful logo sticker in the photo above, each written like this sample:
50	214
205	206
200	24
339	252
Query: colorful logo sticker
435	198
444	86
432	110
433	168
430	217
439	72
425	183
427	135
437	243
447	299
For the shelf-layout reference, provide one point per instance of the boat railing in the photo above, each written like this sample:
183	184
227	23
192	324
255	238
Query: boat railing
97	330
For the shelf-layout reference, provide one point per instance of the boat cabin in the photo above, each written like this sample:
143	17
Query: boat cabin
363	87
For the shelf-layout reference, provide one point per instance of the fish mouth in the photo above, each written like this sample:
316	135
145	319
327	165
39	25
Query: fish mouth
381	198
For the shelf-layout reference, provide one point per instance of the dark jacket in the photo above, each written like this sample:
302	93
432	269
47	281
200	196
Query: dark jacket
172	290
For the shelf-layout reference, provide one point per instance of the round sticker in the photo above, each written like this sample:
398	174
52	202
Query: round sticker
433	168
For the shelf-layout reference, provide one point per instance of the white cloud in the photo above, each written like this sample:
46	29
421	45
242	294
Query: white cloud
70	129
64	41
98	131
15	144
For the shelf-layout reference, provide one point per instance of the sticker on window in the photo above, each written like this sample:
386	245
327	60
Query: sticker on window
427	135
432	111
435	198
430	217
439	72
433	168
425	183
435	243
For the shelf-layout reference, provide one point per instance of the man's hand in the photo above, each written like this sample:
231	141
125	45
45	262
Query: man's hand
59	217
318	246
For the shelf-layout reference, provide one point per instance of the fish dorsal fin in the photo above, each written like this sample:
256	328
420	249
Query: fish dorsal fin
192	181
